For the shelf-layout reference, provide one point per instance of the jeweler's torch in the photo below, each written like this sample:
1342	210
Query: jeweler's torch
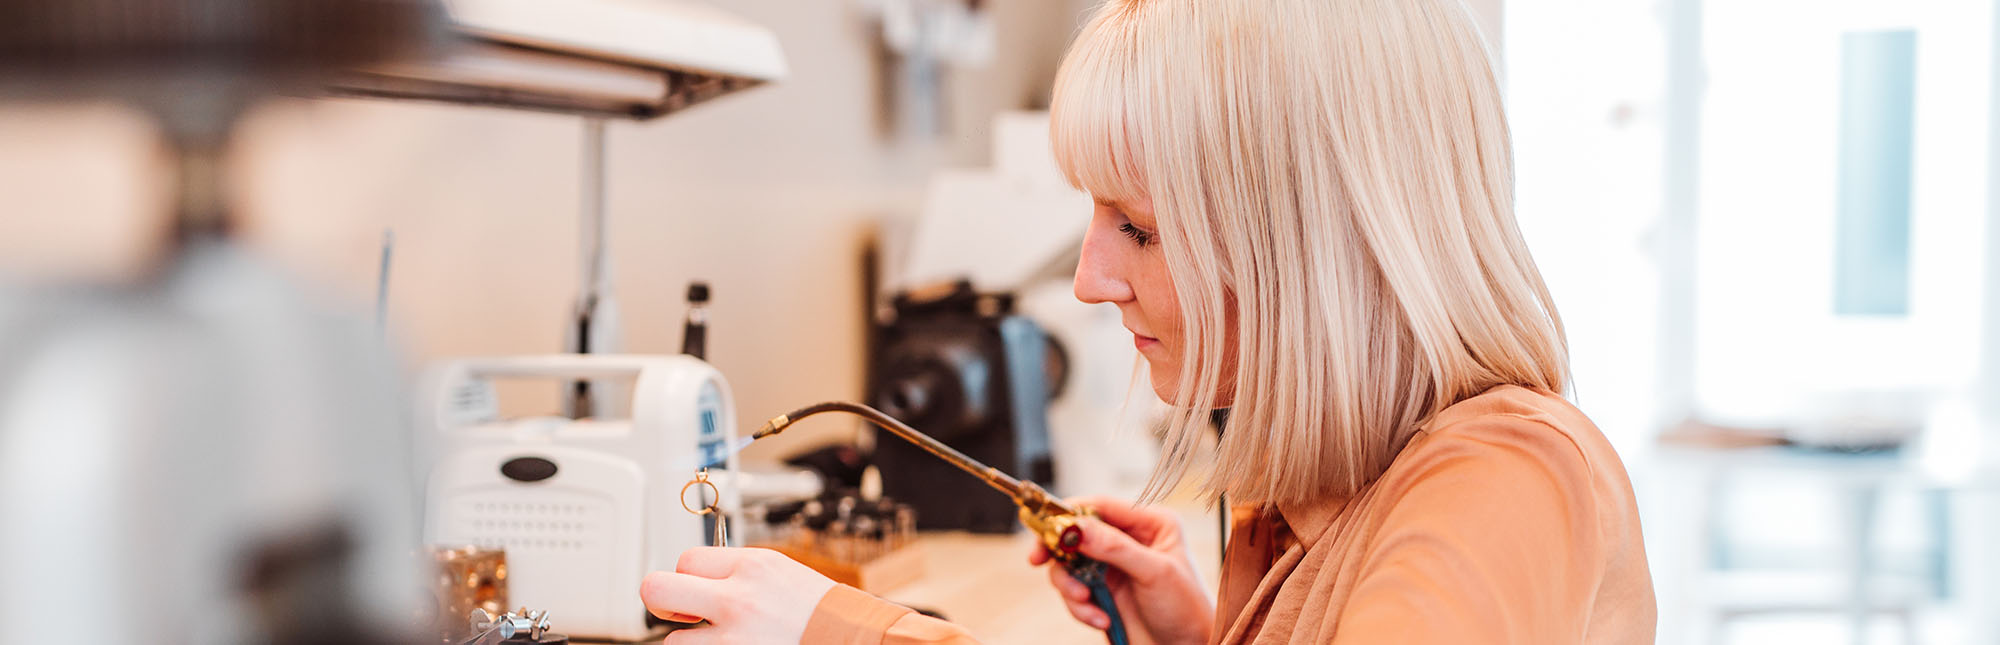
1052	520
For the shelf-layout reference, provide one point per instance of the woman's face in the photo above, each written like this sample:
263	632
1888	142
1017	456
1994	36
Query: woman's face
1123	265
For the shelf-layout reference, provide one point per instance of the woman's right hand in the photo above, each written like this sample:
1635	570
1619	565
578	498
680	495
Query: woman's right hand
1151	574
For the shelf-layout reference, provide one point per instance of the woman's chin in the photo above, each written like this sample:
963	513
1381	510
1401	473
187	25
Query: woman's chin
1164	382
1167	388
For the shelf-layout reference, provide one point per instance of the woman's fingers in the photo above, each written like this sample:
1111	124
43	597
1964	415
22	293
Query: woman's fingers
1088	614
746	595
1105	543
683	598
1076	597
1067	586
710	561
1141	524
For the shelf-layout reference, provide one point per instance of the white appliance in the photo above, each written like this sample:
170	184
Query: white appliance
583	507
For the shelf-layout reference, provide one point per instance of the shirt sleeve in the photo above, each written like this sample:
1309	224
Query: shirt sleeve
849	616
1493	537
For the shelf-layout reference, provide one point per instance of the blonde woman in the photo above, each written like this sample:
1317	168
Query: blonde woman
1304	213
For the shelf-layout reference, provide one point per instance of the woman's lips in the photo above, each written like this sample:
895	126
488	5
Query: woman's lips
1144	343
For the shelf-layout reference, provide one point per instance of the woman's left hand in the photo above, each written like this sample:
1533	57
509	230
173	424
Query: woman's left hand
746	595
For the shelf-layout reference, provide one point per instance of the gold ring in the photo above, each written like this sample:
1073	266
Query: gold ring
701	478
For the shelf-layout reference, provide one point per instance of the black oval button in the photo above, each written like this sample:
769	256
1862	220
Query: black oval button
528	469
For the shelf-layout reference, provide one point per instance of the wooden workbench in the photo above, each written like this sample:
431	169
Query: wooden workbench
984	583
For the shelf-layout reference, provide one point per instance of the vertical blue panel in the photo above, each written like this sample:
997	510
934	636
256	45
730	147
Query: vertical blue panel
1872	235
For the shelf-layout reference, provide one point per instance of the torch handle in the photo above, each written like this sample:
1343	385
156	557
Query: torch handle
1091	574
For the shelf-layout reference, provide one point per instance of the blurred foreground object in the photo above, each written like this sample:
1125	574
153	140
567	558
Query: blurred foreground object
210	455
213	455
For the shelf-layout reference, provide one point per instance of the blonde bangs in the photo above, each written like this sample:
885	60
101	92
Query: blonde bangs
1090	113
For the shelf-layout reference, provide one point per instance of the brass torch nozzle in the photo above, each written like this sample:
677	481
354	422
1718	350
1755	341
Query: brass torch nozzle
776	425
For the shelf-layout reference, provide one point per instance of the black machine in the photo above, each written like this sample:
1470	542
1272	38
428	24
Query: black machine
971	373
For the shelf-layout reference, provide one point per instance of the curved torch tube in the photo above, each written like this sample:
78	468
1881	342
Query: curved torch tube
1052	519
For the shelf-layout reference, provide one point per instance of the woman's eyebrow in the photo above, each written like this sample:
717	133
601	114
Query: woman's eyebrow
1105	202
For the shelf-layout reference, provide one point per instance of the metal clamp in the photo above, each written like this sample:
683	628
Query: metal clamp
508	625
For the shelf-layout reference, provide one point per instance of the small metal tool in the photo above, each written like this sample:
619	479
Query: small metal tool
522	625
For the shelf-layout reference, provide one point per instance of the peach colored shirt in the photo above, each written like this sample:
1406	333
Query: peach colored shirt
1508	518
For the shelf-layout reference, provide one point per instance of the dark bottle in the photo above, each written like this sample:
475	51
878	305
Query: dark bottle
694	333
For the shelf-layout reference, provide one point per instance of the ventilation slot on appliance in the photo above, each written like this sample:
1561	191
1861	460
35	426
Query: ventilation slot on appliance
529	526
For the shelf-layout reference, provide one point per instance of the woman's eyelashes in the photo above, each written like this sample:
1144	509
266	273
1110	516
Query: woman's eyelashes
1139	237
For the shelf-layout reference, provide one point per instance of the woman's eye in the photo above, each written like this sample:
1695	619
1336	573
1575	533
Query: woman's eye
1139	237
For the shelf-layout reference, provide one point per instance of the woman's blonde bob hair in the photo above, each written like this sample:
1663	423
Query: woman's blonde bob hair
1333	179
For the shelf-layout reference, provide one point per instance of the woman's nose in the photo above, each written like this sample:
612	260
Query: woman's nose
1099	274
